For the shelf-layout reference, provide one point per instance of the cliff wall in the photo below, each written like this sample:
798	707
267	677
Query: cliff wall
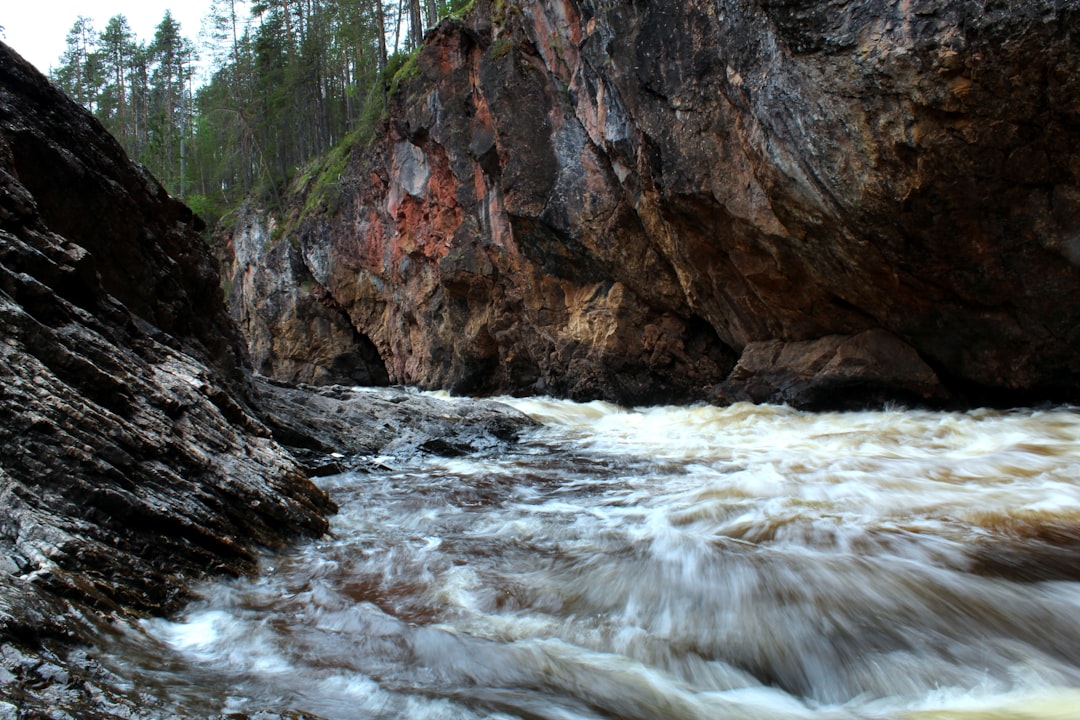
808	201
295	331
136	454
130	460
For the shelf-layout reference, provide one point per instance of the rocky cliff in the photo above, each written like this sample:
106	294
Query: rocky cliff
809	201
130	461
295	331
136	454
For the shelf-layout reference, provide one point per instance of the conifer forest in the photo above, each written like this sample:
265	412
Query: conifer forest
266	87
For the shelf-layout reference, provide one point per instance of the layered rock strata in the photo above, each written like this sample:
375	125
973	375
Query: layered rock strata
135	453
136	456
130	460
621	199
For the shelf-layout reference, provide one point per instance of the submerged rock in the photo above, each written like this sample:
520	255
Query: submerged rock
619	199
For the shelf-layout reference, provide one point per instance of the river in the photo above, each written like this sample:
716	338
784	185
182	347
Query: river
665	563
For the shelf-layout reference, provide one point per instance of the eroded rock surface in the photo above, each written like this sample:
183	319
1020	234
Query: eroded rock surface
336	428
617	199
294	330
130	461
833	372
136	455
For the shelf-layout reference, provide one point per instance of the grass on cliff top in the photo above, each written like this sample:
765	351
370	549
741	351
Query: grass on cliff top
321	185
462	9
321	180
402	67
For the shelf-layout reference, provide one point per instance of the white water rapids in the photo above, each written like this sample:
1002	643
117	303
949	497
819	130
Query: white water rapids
668	563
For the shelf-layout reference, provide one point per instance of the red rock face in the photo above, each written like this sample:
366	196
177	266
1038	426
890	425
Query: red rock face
615	199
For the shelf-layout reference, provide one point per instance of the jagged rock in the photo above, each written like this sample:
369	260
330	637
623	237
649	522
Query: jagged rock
294	330
357	425
616	199
136	456
130	461
135	453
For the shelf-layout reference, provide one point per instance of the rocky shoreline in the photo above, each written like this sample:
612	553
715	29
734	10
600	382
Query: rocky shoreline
137	455
47	663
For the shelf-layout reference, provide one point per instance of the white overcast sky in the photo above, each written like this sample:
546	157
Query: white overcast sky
36	29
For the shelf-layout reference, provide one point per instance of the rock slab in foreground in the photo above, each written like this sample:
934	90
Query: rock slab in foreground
337	428
130	463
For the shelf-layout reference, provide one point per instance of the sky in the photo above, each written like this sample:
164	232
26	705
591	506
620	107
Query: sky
37	29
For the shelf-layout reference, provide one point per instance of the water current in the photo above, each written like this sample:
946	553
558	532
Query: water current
667	563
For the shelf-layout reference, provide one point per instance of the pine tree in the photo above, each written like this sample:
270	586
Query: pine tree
78	74
171	57
288	81
116	55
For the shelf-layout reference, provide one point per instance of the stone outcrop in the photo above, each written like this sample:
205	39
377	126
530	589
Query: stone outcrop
130	460
136	455
836	371
336	429
621	199
294	330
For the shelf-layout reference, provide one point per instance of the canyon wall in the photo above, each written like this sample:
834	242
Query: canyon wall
131	462
820	202
295	331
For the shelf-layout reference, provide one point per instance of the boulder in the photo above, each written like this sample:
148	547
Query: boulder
833	372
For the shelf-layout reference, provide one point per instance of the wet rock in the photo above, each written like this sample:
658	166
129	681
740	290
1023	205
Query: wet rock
835	372
363	428
617	199
131	462
136	456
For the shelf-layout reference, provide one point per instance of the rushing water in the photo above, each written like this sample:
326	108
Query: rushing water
746	562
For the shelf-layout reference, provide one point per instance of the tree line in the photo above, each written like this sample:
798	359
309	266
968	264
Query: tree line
271	85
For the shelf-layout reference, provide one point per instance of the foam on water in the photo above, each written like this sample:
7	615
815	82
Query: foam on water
744	562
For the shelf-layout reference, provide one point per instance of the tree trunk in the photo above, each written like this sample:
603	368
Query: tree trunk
416	24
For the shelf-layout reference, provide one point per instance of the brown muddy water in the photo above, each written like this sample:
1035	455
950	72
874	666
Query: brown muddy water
668	563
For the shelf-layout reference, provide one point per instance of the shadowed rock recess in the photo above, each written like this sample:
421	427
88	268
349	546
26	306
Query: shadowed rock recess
135	454
711	199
